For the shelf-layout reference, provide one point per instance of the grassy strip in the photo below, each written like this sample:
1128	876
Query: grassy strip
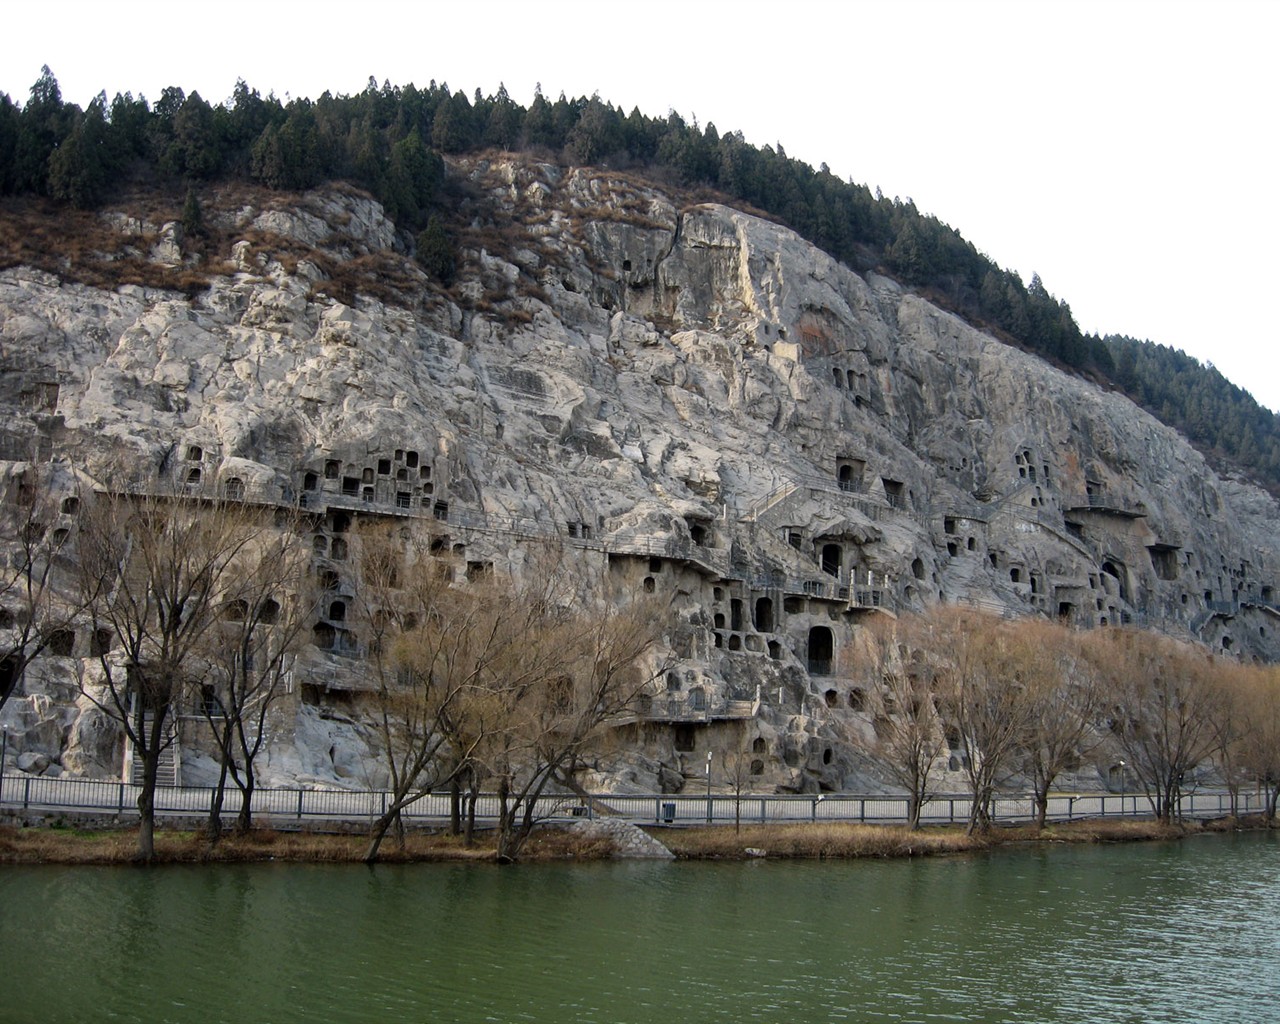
49	845
834	840
827	841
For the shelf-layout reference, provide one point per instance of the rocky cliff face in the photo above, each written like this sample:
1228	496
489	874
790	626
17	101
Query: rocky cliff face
691	395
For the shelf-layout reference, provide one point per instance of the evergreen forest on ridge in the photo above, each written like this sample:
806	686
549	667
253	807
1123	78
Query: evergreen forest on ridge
389	140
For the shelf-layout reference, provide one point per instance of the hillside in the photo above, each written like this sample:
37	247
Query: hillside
694	401
389	140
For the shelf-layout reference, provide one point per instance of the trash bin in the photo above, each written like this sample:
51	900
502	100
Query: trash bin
668	813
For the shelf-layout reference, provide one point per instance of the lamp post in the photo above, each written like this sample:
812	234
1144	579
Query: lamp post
708	787
1122	787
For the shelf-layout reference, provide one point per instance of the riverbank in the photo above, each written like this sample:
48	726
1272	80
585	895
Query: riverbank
53	844
61	844
838	841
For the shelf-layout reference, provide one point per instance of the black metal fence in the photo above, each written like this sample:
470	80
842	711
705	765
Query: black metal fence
281	806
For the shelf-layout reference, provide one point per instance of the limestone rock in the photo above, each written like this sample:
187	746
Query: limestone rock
629	841
694	398
94	745
33	763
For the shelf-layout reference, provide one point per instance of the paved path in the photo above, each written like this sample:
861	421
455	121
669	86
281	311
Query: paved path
21	792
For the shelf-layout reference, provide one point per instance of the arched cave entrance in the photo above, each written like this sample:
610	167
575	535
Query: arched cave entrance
821	650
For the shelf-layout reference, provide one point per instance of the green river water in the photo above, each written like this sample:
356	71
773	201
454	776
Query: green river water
1185	932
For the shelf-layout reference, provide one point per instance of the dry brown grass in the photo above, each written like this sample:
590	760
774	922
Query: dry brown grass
624	213
391	279
494	238
834	841
87	248
84	247
64	846
837	840
567	844
1104	830
826	841
55	845
94	249
529	288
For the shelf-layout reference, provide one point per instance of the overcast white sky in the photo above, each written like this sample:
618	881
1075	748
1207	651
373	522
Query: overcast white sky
1124	150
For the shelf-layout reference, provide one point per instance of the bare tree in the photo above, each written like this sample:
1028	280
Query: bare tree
900	669
985	694
152	570
504	678
264	612
574	673
435	645
1232	727
1165	706
1062	696
1255	698
33	614
740	763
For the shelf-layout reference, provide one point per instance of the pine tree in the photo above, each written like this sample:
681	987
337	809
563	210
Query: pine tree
413	176
540	123
10	119
78	168
192	217
435	251
451	129
42	127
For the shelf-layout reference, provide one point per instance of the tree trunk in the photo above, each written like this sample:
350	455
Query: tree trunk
150	770
455	805
213	827
393	815
1042	806
147	808
980	812
510	842
506	824
512	837
975	811
526	823
379	832
473	795
244	820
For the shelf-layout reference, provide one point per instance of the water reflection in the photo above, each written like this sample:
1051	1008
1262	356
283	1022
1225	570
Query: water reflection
1150	933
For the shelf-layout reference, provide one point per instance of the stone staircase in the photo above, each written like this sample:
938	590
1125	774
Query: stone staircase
794	561
714	561
169	770
774	508
967	580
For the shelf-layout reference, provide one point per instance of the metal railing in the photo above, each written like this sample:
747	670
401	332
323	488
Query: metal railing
766	509
634	544
1105	503
677	707
283	806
